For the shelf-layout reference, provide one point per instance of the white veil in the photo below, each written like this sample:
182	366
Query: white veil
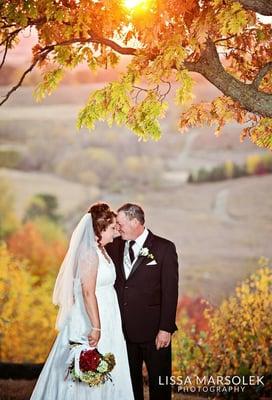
80	261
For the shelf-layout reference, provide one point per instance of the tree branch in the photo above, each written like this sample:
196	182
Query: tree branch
261	74
113	45
47	49
163	95
225	38
97	39
10	36
3	25
7	41
210	66
5	54
6	97
263	7
14	88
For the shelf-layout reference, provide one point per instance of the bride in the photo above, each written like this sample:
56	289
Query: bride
88	314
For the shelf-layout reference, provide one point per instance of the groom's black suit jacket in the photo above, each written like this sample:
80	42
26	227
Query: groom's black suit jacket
148	298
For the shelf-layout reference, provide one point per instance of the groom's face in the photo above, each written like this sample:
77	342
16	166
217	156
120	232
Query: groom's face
127	226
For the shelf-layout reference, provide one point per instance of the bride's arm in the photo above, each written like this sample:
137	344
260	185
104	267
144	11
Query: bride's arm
88	273
92	311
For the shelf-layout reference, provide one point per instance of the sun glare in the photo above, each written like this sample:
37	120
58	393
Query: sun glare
133	3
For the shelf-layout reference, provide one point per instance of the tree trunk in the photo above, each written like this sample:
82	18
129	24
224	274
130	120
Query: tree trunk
263	7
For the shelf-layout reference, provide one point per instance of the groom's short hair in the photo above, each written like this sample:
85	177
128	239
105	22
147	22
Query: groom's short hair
133	211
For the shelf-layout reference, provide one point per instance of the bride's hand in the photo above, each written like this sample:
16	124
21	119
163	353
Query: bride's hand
93	338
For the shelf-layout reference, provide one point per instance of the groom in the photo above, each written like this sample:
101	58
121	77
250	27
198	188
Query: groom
147	289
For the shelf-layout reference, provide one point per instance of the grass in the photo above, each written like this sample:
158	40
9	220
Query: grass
22	389
16	389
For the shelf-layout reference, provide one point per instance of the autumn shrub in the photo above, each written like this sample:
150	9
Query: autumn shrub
43	205
94	165
259	164
252	163
50	231
193	326
193	311
42	244
88	177
217	174
267	161
202	175
27	314
239	171
9	158
8	220
140	171
238	340
255	165
229	168
241	328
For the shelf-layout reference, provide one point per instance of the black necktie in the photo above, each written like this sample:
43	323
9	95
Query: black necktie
130	250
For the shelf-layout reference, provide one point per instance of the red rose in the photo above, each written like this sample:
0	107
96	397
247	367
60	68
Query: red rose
89	360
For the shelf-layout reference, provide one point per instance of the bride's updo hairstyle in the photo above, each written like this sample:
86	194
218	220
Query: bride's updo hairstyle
102	217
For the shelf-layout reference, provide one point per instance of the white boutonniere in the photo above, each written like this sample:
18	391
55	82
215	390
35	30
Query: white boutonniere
146	253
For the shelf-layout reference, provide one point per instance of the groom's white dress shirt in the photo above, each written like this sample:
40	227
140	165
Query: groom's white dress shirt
136	250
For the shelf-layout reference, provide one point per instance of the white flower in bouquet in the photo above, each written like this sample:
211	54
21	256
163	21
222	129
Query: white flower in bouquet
102	367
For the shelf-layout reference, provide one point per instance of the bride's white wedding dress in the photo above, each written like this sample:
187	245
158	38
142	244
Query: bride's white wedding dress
52	383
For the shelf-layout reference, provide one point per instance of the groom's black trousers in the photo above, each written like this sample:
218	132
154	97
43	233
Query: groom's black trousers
158	364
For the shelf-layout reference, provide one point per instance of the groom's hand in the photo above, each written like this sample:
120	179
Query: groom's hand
163	339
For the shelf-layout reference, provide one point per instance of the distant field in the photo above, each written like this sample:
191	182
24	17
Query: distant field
26	184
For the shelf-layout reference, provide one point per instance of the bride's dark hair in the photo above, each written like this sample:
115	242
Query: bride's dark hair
102	217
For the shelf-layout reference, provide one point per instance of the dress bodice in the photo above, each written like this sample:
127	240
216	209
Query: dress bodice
106	272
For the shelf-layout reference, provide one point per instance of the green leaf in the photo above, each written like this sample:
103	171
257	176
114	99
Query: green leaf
95	110
113	104
232	19
184	92
50	82
144	117
262	133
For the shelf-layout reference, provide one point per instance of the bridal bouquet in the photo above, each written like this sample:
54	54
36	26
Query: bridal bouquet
89	366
